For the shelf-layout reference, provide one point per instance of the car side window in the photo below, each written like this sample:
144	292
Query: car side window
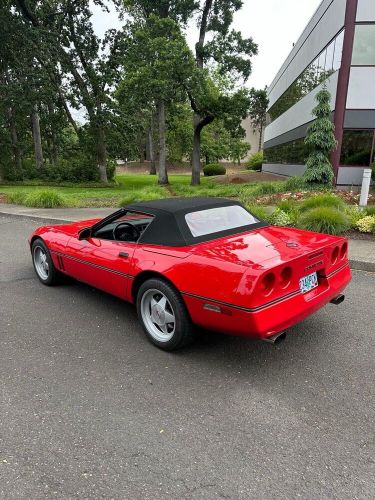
127	227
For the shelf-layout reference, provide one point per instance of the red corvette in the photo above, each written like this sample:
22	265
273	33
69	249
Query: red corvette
198	261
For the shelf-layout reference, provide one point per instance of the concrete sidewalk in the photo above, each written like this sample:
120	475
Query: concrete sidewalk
56	214
361	252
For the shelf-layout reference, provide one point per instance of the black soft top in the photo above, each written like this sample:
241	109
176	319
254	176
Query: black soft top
169	226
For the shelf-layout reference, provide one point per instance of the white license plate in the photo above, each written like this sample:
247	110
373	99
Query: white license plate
308	282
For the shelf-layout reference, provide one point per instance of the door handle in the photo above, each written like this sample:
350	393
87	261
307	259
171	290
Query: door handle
125	255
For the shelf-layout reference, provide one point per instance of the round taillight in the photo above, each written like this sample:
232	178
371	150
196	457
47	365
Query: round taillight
285	277
268	284
335	255
344	250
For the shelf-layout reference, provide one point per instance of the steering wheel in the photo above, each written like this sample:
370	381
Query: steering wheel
135	230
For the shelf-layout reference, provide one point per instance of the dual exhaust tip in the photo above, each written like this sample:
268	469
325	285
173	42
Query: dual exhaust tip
337	300
279	337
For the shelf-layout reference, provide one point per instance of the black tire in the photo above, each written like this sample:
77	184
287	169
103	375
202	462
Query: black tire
183	333
53	276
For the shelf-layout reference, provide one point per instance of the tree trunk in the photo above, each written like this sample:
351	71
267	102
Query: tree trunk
101	154
37	138
150	142
196	157
260	138
15	144
198	123
163	175
52	145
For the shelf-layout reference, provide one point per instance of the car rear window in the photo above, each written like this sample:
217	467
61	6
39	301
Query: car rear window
215	220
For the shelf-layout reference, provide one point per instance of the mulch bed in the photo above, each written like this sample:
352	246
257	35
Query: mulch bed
242	178
356	235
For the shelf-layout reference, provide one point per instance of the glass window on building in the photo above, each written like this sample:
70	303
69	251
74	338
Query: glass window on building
338	51
321	67
292	153
364	45
329	57
357	147
328	61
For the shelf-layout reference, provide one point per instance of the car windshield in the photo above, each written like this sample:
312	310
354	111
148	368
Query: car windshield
215	220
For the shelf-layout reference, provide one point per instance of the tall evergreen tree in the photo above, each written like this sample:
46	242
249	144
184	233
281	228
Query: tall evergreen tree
320	141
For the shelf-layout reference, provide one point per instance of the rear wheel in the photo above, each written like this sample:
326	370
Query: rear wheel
43	264
163	315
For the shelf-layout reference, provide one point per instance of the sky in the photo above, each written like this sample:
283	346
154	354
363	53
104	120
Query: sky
273	24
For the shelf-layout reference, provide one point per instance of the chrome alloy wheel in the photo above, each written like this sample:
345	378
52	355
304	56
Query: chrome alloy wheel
41	263
158	315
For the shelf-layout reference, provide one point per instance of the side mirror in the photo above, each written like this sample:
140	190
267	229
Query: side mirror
85	233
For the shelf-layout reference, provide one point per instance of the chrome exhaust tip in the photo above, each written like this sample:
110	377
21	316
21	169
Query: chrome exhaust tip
337	300
276	339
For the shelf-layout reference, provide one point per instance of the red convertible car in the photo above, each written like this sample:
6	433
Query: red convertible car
198	261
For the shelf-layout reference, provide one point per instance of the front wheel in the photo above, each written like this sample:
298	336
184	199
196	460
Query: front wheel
163	315
43	264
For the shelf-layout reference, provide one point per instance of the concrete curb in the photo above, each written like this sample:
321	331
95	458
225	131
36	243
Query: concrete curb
362	265
37	218
357	264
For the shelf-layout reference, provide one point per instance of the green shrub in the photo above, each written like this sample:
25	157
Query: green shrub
323	200
366	224
370	210
280	218
78	168
255	161
267	188
295	184
214	169
354	214
44	199
323	219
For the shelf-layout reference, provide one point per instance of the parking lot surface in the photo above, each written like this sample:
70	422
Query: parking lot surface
90	409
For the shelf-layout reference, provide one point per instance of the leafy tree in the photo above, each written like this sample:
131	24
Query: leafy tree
156	59
238	149
179	132
320	140
258	111
62	36
178	10
231	54
215	142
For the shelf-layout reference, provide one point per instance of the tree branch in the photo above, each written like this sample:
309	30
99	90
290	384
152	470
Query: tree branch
202	33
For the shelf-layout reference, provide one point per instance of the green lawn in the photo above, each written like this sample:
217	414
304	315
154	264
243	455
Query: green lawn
128	188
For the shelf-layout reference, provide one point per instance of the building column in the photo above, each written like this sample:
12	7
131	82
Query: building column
343	81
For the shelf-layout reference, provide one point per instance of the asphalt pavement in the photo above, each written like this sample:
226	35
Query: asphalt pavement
89	409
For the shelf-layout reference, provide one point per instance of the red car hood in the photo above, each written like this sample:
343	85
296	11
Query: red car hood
75	227
255	247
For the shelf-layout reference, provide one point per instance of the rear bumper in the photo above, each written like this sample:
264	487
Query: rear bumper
271	319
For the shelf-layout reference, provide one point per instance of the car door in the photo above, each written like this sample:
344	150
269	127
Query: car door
104	264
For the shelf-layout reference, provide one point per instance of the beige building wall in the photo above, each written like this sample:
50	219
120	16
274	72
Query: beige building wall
251	137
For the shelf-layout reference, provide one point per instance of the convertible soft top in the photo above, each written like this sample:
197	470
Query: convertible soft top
169	227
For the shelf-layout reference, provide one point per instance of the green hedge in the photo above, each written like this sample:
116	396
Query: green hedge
80	168
214	169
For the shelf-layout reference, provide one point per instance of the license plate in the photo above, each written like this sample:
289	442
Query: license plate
308	282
